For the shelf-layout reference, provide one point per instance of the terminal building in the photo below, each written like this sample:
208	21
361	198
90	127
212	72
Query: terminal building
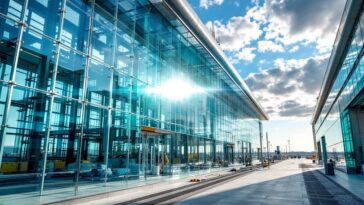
102	95
338	119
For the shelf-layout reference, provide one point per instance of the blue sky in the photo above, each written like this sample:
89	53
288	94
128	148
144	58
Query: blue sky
281	49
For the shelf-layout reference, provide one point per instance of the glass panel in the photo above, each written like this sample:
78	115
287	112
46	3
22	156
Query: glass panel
7	49
76	25
102	36
179	152
43	17
3	94
138	91
135	160
119	147
348	141
124	52
210	154
8	39
63	148
12	8
24	142
35	67
219	153
94	142
8	32
70	75
121	92
98	84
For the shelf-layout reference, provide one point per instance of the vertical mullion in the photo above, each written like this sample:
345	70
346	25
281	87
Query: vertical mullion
131	74
52	94
11	82
110	88
84	93
149	100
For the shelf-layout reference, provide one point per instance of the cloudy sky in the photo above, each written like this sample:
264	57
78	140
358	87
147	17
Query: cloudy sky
281	49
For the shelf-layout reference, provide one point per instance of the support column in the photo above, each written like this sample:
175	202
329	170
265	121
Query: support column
314	140
261	142
324	152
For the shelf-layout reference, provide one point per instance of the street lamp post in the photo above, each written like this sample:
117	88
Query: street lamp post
289	147
266	137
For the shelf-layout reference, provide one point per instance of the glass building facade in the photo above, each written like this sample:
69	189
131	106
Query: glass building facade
340	118
96	96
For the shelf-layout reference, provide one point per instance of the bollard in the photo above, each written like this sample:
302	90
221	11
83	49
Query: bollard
330	168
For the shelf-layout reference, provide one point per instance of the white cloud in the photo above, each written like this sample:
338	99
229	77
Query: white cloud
283	23
290	87
207	3
237	33
294	49
246	54
264	46
304	22
257	13
263	61
235	37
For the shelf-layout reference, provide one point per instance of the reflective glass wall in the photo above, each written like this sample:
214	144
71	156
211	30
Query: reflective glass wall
334	122
97	96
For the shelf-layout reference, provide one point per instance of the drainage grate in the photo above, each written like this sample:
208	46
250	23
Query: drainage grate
317	193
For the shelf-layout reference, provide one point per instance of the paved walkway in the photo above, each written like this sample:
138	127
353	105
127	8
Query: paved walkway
290	182
283	183
123	196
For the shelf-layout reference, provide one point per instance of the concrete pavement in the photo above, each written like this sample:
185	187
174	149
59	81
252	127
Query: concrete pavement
281	184
290	182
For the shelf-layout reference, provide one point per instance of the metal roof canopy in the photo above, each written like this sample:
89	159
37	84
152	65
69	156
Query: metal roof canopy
183	13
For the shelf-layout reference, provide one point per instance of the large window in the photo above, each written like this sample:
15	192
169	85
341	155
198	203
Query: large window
80	87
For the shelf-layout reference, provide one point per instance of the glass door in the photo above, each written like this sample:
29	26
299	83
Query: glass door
151	156
229	154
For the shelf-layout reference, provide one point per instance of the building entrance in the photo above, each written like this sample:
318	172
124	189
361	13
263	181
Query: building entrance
229	153
155	152
153	157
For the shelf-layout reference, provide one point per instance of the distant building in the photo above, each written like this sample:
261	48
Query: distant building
339	114
277	154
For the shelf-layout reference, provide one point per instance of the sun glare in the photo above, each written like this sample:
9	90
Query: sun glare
176	89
